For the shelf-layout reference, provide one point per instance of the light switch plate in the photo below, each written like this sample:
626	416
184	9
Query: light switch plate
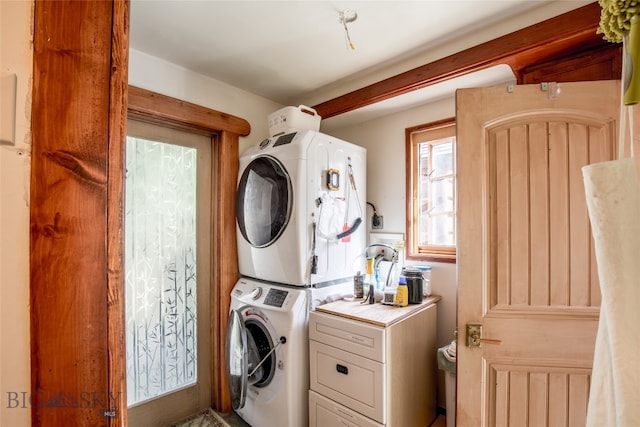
8	108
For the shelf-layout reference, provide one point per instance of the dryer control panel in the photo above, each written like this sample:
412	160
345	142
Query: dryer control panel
275	297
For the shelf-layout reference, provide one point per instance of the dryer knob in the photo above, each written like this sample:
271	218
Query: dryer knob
255	293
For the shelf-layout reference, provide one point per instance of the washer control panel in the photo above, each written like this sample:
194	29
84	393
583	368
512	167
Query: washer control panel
275	297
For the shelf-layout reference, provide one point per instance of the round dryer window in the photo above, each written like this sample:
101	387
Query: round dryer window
264	201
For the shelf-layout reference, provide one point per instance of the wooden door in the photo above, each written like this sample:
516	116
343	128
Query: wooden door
526	266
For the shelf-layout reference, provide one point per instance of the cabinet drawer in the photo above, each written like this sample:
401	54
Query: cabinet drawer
354	381
355	337
324	412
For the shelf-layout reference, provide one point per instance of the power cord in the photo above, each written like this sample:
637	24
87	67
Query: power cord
376	220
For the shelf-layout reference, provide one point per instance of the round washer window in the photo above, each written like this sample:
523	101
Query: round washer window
264	356
264	201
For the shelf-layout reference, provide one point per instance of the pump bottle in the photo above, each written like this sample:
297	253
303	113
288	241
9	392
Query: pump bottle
402	292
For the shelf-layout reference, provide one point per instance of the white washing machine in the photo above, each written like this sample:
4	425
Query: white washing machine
267	354
301	209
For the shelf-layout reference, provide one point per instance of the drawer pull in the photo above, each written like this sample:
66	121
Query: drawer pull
344	413
342	369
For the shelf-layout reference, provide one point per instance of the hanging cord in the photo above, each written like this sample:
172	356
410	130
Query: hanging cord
348	37
314	257
623	111
629	109
626	111
346	210
353	187
345	17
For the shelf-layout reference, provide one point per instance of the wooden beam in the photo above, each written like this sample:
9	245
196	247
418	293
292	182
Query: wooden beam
73	129
559	35
144	104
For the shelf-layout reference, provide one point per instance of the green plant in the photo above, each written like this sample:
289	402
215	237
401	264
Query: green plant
615	18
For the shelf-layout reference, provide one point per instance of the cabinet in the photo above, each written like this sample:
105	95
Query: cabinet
372	365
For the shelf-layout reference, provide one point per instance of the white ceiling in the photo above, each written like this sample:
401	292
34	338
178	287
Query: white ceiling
294	52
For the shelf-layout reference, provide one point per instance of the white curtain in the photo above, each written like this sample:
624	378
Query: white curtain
613	201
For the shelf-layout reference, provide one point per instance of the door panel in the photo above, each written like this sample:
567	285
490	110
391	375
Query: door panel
539	213
526	264
167	273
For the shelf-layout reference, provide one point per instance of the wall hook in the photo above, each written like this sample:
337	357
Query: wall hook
552	89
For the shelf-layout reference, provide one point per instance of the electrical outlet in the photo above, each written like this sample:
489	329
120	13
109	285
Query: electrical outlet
376	222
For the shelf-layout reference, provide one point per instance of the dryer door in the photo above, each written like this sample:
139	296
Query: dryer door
264	201
237	359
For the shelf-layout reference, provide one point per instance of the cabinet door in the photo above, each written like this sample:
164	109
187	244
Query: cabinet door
324	412
349	379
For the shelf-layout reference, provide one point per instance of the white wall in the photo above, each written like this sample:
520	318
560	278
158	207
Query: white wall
384	139
158	75
16	58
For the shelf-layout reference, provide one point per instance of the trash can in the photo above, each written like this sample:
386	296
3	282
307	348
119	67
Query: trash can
447	363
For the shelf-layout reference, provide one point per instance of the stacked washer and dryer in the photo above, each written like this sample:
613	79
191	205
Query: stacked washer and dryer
300	208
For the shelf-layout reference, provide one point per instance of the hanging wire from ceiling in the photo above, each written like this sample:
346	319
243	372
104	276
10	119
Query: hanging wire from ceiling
345	17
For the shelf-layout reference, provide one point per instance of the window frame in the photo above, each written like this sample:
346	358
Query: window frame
413	137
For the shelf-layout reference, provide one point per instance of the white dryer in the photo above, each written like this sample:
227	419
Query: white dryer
300	209
267	354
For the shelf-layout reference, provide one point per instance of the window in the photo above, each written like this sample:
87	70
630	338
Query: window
431	191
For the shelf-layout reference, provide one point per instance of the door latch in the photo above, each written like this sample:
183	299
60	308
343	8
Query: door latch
474	336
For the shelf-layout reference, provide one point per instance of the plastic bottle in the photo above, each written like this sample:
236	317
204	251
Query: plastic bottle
369	278
358	283
402	292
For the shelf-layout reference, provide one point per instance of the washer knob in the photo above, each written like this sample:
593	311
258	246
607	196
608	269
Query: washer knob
255	293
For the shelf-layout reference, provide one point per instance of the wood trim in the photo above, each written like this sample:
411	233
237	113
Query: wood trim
411	188
116	345
224	251
603	63
144	104
70	253
562	35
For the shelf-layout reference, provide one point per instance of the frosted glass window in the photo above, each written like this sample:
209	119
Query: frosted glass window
160	268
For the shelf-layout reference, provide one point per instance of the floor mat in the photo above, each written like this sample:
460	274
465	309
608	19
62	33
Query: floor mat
206	418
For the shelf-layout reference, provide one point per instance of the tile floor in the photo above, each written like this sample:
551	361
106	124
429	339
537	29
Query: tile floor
212	418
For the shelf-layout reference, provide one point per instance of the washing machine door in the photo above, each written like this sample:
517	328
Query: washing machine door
264	201
250	354
237	359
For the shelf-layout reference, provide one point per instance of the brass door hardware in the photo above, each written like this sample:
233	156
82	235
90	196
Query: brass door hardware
474	336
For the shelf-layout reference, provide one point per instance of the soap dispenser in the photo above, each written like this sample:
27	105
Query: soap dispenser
402	292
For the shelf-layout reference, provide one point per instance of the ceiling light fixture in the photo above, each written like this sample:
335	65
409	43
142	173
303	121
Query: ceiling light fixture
346	17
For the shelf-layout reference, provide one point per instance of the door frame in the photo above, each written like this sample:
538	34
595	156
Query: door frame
224	130
80	105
